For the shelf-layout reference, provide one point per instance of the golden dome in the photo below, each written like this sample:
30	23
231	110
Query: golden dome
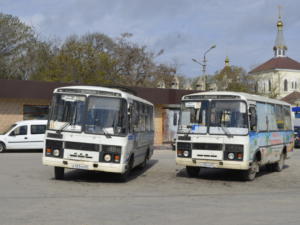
279	23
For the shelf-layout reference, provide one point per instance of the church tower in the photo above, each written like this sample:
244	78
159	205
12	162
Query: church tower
279	47
280	76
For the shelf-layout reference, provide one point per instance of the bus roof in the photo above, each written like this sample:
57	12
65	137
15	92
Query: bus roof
113	92
241	95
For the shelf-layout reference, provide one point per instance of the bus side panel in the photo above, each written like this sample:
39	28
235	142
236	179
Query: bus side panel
270	144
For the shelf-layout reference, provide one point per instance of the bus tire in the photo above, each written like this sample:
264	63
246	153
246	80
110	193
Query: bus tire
59	173
124	176
250	174
144	163
2	147
192	171
278	166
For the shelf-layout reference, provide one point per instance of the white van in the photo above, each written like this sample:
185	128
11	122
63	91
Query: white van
27	134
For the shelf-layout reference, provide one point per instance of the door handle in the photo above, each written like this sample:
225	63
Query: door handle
25	138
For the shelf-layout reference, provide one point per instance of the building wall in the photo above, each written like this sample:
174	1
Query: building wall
277	78
11	110
158	125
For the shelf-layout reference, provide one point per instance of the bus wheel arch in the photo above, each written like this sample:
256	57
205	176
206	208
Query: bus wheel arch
250	174
124	176
146	159
279	165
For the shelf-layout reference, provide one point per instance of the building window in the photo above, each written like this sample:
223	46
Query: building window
35	112
270	87
285	85
292	84
295	84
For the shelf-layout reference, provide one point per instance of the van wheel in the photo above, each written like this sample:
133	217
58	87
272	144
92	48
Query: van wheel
2	147
59	173
124	176
278	166
250	174
192	171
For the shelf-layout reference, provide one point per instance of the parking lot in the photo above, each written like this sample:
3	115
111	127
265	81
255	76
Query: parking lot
160	194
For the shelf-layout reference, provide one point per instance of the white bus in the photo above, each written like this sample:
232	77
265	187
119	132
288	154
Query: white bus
98	128
233	130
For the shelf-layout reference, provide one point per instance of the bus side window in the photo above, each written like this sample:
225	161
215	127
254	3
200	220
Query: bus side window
253	118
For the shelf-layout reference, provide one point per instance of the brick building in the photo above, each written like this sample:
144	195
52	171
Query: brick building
21	100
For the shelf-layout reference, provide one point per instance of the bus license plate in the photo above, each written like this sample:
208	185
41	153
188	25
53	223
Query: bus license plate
80	166
208	165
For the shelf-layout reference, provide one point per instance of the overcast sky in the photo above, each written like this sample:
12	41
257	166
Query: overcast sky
244	30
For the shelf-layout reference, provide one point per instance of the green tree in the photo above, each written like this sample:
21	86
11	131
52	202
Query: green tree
80	62
17	42
233	78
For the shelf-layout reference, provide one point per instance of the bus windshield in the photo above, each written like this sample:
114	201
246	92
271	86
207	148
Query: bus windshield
94	115
67	113
193	117
228	117
222	117
106	116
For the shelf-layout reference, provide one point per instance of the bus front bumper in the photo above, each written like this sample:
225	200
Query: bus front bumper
221	164
84	165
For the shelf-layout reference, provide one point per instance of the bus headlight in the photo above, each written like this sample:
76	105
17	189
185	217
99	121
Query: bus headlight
56	152
230	155
234	152
186	153
110	153
107	157
184	149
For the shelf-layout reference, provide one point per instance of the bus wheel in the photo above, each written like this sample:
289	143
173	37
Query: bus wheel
124	176
278	166
2	147
59	173
144	163
250	174
192	171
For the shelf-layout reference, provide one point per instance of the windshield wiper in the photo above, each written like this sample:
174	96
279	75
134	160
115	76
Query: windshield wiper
63	127
226	131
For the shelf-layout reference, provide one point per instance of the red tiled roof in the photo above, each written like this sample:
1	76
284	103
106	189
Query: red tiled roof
277	63
292	98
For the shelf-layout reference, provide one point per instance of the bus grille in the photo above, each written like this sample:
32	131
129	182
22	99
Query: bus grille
81	146
207	146
183	146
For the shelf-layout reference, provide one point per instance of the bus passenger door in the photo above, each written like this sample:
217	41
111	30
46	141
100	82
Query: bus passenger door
253	132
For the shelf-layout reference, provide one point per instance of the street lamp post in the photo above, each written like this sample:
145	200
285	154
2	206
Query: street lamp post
203	64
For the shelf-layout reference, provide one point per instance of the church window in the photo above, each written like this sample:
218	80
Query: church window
285	85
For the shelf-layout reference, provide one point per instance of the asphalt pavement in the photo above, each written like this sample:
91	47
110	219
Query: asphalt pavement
160	194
